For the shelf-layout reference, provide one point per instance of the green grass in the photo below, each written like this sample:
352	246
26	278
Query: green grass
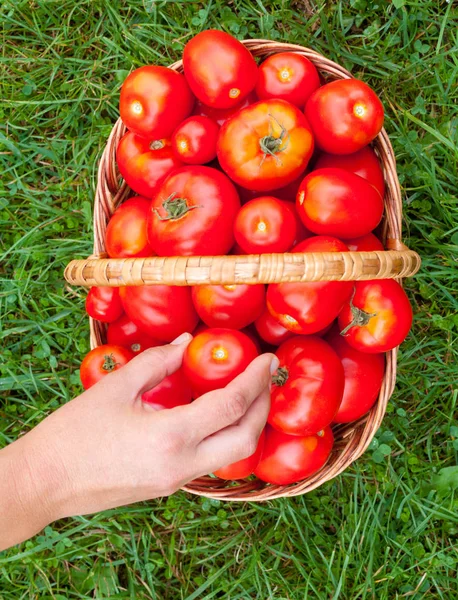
387	528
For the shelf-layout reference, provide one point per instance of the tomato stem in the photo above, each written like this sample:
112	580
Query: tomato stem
360	318
109	362
281	376
271	144
175	208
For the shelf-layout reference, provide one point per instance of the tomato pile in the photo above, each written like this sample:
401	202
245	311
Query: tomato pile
232	157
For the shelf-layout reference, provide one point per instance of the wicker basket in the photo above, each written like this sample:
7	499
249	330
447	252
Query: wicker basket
398	261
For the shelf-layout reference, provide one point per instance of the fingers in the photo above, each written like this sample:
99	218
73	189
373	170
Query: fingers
220	409
148	369
235	442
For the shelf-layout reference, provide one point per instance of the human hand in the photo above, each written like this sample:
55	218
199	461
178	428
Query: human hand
107	448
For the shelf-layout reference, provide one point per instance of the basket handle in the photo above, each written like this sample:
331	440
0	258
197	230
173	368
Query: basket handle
251	269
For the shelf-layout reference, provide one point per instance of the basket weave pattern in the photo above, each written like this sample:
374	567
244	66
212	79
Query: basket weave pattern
398	261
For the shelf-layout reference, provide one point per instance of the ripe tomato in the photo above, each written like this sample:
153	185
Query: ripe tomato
219	69
233	306
172	391
363	378
215	356
104	304
193	213
126	235
154	100
265	225
363	163
242	468
336	202
124	332
345	116
144	164
194	141
270	330
288	76
101	361
221	115
307	387
266	145
365	243
378	317
161	311
308	307
289	458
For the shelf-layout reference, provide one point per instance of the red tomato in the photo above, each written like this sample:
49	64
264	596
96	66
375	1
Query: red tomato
336	202
124	332
219	69
363	163
289	458
307	387
345	116
101	361
126	235
232	306
163	312
288	76
154	100
288	192
378	317
104	304
194	141
215	356
172	391
266	145
193	213
365	243
363	378
221	115
248	331
308	307
265	225
270	330
242	468
144	164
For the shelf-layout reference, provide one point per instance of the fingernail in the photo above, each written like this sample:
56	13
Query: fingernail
274	365
184	337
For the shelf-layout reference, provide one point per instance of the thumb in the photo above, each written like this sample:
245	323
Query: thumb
149	368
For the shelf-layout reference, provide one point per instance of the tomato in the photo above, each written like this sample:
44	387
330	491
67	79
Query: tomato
345	116
215	356
336	202
101	361
172	391
144	164
219	69
104	304
307	387
270	330
193	213
266	145
308	307
161	311
289	458
288	76
242	468
363	378
126	235
365	243
378	317
221	115
364	163
288	192
154	100
233	306
124	332
194	141
249	331
265	225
